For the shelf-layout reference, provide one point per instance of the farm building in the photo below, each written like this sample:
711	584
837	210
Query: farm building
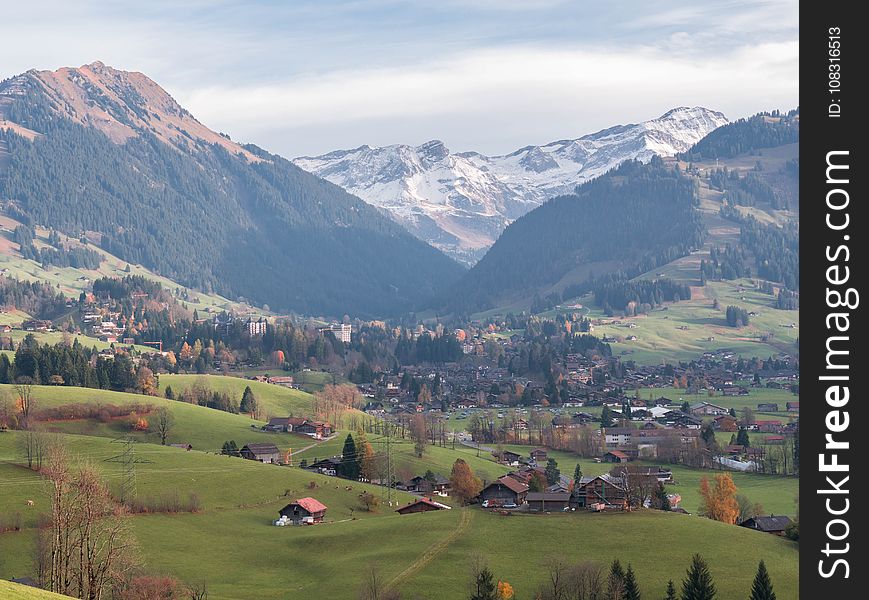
507	458
551	501
438	484
767	406
187	447
266	453
775	525
615	456
792	406
707	408
603	489
304	510
504	491
421	505
539	455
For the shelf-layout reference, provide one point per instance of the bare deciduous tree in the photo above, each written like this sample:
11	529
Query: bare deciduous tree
375	587
89	546
165	421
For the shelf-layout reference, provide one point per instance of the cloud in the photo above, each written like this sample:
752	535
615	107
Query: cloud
490	75
557	92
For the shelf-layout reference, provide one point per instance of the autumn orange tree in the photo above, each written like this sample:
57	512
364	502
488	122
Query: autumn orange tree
505	591
464	483
718	500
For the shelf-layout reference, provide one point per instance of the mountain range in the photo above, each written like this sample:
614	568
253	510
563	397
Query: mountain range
460	202
109	157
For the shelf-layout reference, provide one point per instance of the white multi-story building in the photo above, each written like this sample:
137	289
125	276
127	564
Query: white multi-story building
341	331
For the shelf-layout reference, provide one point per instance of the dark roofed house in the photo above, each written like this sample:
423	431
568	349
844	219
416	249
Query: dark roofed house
421	505
266	453
437	485
304	510
792	406
775	525
326	466
539	455
504	491
507	457
767	406
603	491
542	501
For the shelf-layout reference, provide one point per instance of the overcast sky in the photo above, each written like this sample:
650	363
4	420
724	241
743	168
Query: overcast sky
304	77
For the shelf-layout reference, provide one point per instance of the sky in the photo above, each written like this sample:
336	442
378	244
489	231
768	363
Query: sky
300	77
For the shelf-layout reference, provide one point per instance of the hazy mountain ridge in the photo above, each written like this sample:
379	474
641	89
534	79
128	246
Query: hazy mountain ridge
460	202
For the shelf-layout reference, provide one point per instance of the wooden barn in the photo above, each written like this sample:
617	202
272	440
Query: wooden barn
304	510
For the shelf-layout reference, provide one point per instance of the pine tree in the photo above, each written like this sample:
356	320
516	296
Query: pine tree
349	465
169	393
742	437
248	401
671	591
577	476
553	474
631	591
698	584
484	586
761	589
615	585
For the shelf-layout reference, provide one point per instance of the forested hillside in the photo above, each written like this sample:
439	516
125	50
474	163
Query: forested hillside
636	217
763	130
211	214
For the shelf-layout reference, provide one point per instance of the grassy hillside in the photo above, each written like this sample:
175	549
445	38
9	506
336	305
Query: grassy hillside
275	400
13	591
204	428
233	547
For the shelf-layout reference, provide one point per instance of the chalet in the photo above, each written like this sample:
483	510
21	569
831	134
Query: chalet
544	501
439	485
677	418
767	406
505	490
618	436
769	426
707	409
734	391
282	424
603	490
421	505
771	524
282	380
792	406
37	325
266	453
538	455
582	418
506	457
315	429
326	466
304	510
615	456
186	447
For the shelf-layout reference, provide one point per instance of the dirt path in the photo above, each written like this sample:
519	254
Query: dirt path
435	549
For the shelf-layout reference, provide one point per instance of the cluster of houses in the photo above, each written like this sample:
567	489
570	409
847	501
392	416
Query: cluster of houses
316	429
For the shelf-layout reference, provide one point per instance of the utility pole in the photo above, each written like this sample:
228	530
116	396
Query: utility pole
128	460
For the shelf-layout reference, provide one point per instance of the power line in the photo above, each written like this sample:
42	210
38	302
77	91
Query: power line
128	460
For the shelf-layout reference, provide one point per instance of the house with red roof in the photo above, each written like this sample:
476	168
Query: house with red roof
304	510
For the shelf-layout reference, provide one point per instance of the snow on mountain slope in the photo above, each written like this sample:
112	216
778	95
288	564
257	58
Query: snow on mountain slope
460	202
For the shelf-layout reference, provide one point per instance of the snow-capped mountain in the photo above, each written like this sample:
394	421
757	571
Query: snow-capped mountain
460	202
